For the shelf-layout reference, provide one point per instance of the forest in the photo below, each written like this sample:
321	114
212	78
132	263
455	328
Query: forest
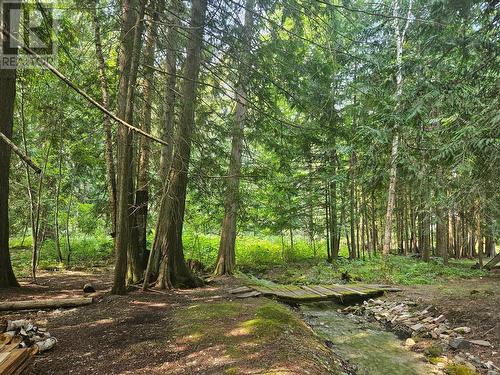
220	179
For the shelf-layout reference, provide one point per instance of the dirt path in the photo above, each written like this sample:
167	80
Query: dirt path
202	331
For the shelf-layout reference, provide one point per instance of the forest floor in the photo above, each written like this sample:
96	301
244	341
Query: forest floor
201	331
208	331
473	303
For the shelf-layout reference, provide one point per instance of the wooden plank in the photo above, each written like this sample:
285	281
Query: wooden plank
313	291
9	347
14	361
24	365
241	289
351	289
287	292
253	293
263	289
284	289
3	357
386	288
367	289
334	289
325	291
268	291
294	290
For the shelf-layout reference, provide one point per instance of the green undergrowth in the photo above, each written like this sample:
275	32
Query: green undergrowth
86	252
253	252
266	258
259	257
394	270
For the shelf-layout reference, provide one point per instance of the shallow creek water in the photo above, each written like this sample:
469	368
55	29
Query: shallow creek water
365	345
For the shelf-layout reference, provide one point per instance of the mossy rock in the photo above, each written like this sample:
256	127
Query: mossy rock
434	351
456	369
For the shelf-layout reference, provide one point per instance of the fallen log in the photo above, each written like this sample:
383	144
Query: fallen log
43	346
44	304
493	262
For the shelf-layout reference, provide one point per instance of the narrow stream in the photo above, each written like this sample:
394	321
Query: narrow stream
365	345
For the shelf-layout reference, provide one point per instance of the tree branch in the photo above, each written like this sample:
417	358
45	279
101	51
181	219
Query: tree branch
16	149
81	92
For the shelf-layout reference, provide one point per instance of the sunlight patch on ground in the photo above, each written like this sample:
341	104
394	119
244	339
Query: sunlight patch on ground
102	321
149	304
193	338
240	331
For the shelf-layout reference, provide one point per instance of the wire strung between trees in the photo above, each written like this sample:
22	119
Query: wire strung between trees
81	92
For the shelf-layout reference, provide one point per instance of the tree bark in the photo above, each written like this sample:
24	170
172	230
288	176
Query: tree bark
226	259
327	223
7	100
490	236
108	140
442	222
56	210
166	130
400	37
352	207
479	235
68	242
442	235
425	236
175	272
142	190
334	225
374	225
125	146
45	304
135	255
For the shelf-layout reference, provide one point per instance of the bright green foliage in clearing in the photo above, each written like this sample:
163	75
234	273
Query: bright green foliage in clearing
408	271
86	252
261	257
252	251
397	270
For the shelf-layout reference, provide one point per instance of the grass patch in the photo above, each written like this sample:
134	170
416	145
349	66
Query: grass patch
202	322
270	321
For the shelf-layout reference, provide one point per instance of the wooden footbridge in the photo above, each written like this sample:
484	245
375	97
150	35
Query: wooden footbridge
314	293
